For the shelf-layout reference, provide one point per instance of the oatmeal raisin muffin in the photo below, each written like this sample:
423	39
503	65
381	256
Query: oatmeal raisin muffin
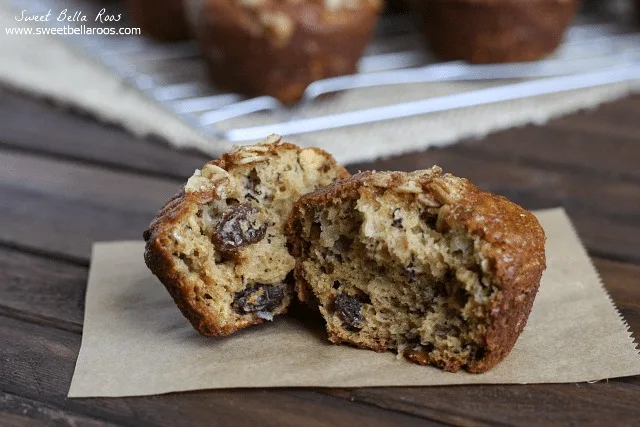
278	47
488	31
218	246
422	263
159	19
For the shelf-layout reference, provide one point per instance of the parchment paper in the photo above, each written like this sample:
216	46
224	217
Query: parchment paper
136	342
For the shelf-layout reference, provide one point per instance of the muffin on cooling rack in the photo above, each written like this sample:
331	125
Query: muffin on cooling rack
160	19
278	47
491	31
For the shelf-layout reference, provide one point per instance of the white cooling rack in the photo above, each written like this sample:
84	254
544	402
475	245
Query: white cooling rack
595	52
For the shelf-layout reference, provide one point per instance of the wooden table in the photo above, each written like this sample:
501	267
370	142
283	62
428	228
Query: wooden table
67	180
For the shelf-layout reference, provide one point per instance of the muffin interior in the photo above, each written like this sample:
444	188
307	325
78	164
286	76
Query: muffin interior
389	274
230	245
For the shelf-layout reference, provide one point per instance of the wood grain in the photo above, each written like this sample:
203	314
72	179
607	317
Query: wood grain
16	411
561	150
33	125
534	405
63	228
41	287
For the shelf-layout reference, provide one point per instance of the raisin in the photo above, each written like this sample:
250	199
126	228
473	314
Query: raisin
446	285
442	331
451	287
412	338
290	280
362	297
239	227
410	271
397	219
343	244
316	230
427	348
250	196
455	290
475	351
259	297
251	185
349	310
327	268
430	220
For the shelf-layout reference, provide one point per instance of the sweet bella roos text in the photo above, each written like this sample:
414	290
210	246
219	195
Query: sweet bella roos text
68	16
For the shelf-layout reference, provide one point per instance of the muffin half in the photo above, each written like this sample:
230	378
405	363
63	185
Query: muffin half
422	263
218	246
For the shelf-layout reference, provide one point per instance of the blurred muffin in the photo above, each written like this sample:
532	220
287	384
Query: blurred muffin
278	47
488	31
160	19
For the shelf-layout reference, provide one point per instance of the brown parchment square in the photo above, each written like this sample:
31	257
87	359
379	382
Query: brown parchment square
136	342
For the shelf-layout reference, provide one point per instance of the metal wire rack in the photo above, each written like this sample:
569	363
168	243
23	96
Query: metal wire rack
594	53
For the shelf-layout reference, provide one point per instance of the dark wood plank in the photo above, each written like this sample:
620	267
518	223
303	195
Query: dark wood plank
38	364
606	238
619	200
615	120
579	150
620	114
596	127
78	182
611	403
16	411
63	228
34	125
42	288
